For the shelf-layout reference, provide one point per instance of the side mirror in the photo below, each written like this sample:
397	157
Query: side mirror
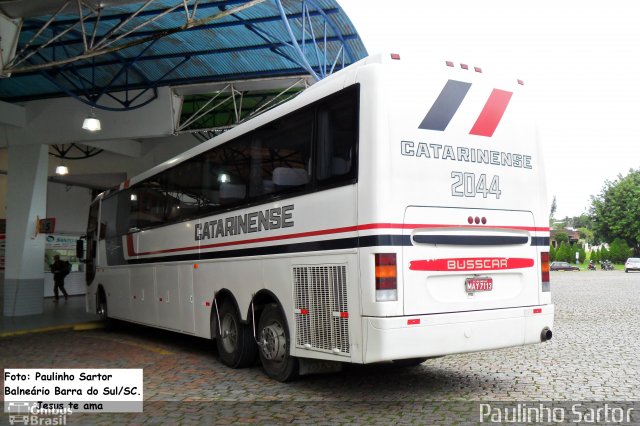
80	249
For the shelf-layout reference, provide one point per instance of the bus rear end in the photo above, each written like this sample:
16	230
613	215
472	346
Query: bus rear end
452	212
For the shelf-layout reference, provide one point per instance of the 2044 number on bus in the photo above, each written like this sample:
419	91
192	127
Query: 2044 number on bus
471	185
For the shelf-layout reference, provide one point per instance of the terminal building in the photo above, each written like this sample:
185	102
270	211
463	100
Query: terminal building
91	95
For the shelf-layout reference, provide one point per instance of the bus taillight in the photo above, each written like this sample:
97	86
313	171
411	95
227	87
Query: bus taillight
544	269
386	277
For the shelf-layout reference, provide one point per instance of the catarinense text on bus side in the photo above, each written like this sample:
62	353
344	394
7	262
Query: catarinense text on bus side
464	154
262	220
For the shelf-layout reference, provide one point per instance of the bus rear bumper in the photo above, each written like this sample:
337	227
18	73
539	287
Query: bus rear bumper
420	336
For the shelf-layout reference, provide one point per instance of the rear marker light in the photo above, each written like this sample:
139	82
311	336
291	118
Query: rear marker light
395	56
477	69
520	82
484	220
386	277
464	66
537	311
470	220
477	220
413	321
449	63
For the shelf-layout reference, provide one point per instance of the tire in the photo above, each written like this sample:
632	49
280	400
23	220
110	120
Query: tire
236	346
101	307
626	271
273	335
102	310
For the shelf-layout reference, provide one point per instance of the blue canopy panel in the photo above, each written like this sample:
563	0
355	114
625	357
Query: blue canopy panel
135	48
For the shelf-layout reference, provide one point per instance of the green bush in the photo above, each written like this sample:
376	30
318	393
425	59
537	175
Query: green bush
619	251
563	254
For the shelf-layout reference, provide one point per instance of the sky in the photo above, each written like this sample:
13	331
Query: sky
581	60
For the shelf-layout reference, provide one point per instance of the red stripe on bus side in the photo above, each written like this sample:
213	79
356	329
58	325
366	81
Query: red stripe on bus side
131	249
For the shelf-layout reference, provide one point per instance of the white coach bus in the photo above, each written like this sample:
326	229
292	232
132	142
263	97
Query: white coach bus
394	211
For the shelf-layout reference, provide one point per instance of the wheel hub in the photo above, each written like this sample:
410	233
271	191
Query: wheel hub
274	343
229	333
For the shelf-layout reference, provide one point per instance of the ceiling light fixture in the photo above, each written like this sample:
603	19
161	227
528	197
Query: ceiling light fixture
91	123
62	170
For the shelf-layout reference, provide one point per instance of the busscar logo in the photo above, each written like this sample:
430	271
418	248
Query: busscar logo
471	264
450	99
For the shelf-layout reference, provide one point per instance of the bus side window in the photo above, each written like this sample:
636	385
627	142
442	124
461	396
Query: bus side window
289	177
281	155
147	208
337	138
109	217
232	192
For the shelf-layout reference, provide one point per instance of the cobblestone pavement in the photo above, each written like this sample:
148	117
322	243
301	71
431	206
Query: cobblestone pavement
593	356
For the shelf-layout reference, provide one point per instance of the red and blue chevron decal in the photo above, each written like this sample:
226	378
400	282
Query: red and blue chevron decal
450	99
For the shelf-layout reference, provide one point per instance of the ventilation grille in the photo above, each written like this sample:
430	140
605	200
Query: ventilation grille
322	316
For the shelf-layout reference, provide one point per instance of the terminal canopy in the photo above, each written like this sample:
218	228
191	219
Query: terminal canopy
115	54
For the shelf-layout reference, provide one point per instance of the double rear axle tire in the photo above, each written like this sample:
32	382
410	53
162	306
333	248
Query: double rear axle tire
238	348
234	340
274	341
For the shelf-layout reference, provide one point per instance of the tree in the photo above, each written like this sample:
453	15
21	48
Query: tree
571	253
582	221
563	254
583	254
561	237
616	210
619	250
554	207
552	254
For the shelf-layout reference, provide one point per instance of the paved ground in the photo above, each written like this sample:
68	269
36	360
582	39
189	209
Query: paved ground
594	356
55	315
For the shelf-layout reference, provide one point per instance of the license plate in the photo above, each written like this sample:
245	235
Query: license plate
478	284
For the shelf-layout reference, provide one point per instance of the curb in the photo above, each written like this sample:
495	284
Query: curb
75	327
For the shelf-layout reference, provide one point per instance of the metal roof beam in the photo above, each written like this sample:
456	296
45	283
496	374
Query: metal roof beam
199	53
103	49
125	15
281	72
217	25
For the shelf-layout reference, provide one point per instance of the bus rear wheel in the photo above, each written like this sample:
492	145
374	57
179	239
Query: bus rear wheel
236	346
273	335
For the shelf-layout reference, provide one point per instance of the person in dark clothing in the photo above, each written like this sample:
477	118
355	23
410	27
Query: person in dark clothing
59	270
